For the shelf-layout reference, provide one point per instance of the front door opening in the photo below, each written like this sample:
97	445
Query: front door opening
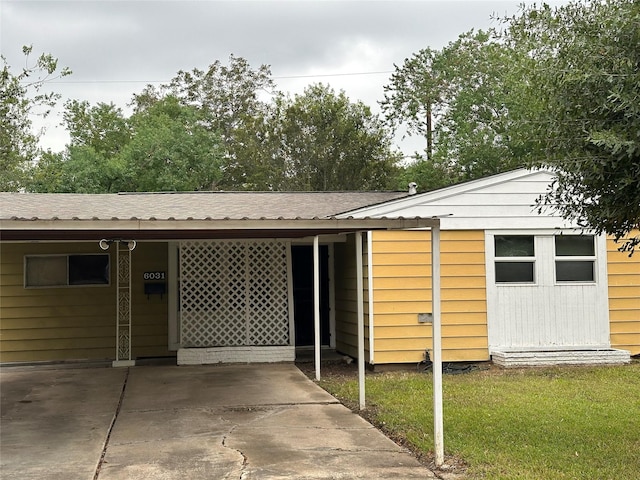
302	265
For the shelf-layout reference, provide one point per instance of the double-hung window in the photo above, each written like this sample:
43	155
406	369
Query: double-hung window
575	258
515	258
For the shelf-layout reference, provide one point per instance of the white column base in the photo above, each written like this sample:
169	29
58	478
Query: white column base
210	355
123	363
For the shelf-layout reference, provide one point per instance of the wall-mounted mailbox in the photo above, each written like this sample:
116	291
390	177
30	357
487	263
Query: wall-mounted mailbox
425	318
155	288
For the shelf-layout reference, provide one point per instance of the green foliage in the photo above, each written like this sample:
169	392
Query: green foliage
569	422
463	99
587	76
170	150
226	96
102	127
21	97
320	141
163	147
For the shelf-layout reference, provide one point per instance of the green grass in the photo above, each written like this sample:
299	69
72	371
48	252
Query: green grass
543	423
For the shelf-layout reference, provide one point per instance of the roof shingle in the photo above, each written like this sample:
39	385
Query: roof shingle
186	205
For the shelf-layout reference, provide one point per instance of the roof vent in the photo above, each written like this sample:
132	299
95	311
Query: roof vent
413	188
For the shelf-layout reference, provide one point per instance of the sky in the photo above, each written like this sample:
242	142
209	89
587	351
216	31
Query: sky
116	47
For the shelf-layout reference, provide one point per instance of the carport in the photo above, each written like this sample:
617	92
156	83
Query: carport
119	223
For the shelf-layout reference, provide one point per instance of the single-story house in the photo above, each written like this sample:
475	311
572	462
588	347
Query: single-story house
229	277
518	287
210	277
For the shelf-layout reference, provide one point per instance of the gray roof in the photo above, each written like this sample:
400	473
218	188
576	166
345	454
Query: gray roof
186	206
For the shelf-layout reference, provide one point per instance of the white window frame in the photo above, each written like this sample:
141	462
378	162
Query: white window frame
532	259
67	284
577	258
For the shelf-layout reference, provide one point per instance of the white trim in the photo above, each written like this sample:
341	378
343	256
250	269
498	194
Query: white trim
317	340
172	300
360	308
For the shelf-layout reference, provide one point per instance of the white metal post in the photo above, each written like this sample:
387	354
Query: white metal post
438	425
360	299
316	303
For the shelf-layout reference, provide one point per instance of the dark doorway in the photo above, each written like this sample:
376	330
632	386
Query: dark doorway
302	263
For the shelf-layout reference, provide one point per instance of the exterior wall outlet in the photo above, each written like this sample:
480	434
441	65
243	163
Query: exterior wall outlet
425	318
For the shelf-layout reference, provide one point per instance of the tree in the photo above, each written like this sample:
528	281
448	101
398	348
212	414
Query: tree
226	97
587	123
21	96
318	140
102	127
163	147
462	98
170	150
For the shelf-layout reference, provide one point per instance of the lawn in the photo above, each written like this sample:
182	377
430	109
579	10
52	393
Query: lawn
542	423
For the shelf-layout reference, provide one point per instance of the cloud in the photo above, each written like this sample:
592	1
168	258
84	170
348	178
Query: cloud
115	47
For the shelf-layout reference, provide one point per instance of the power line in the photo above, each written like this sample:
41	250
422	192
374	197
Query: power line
282	77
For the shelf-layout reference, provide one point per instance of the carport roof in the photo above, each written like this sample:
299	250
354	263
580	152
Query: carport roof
52	216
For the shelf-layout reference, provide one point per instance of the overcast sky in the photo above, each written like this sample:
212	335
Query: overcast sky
116	47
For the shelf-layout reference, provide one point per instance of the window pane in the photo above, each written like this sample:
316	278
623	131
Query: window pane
88	269
514	272
46	271
574	245
574	271
514	246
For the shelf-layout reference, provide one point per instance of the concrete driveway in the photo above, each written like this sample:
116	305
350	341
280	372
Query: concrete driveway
167	422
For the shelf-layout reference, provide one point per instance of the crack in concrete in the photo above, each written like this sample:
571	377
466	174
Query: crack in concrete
111	425
245	461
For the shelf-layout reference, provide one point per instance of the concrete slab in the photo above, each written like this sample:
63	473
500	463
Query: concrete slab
197	422
53	423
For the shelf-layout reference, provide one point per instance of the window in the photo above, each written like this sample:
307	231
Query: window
575	258
66	270
514	258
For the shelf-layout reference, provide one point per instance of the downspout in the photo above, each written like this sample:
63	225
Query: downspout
370	294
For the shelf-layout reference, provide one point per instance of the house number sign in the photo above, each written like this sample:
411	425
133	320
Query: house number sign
153	275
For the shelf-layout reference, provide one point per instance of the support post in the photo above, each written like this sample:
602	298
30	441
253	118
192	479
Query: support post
316	303
438	425
123	302
360	300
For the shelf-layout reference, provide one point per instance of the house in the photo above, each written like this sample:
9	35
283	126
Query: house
518	287
210	277
229	277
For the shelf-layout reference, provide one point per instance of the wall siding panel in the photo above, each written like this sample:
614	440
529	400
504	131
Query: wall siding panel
624	298
402	290
76	323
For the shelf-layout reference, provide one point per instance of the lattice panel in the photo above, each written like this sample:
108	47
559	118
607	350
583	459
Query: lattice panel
233	293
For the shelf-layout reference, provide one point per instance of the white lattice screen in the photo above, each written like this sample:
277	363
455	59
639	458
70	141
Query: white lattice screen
233	293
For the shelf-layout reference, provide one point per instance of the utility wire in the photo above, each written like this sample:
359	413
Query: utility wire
282	77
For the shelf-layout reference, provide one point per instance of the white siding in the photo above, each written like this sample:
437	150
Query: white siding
547	315
505	201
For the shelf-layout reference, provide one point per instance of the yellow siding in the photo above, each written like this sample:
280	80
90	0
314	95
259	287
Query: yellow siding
402	290
624	298
346	297
76	323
